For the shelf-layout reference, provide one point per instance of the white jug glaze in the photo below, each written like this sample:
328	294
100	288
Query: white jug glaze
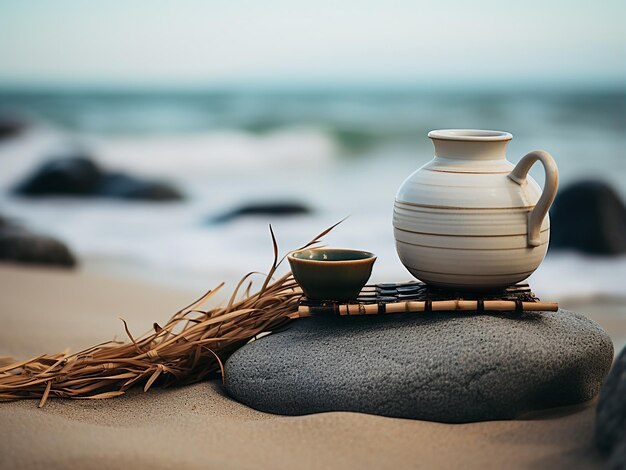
468	218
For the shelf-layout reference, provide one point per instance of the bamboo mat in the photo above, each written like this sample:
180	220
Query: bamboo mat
415	297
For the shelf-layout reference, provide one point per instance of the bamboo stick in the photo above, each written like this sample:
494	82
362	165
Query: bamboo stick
415	306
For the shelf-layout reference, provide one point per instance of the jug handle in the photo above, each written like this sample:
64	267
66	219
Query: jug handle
519	174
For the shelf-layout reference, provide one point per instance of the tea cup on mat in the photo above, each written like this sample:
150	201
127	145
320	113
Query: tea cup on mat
331	273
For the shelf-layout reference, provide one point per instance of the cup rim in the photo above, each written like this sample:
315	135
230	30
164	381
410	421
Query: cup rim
470	135
369	256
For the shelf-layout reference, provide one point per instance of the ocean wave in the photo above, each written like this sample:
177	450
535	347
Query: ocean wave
569	275
217	152
177	157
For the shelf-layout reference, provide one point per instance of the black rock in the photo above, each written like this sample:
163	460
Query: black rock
21	246
611	411
590	217
11	126
267	209
71	176
78	175
618	458
119	185
439	367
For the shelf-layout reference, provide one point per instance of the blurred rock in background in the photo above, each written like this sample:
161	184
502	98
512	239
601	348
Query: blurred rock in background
11	126
285	208
76	174
19	245
590	217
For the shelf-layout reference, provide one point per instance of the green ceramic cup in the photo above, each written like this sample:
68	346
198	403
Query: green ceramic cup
331	273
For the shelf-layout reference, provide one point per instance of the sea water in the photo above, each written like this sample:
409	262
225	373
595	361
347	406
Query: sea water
341	152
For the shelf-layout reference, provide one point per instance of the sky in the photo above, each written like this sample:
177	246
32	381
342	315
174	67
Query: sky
243	42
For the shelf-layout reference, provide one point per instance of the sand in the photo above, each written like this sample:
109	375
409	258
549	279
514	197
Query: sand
46	310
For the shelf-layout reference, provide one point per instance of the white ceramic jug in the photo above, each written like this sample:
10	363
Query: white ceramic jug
468	218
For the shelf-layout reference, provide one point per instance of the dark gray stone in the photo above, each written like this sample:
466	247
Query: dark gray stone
18	245
11	126
120	185
438	367
611	411
618	458
77	175
590	217
263	209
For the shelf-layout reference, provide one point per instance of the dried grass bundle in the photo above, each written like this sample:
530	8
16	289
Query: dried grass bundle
190	347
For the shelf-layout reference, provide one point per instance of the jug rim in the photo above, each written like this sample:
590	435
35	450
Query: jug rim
470	135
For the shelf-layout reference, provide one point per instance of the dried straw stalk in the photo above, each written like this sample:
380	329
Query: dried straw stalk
190	347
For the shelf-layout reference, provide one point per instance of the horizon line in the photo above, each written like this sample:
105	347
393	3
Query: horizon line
608	86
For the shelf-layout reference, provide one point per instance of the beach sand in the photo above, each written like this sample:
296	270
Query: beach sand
47	310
